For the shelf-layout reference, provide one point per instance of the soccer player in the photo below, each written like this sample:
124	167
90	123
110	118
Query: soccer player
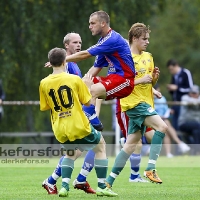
63	94
111	51
139	107
72	43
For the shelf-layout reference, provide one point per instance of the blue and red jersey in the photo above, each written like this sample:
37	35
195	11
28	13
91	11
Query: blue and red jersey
113	52
72	68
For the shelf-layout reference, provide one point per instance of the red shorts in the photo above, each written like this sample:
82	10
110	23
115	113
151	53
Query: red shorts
123	119
116	86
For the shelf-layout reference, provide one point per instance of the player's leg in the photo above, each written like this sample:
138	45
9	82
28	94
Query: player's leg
123	156
67	167
50	183
80	182
101	166
156	144
135	157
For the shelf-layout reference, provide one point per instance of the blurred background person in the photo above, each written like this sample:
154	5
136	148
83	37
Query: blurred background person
2	97
189	119
181	82
163	110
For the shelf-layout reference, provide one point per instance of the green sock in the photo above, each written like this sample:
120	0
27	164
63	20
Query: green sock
156	145
119	164
101	167
66	171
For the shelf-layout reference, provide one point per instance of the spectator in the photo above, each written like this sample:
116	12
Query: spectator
2	97
189	119
180	85
163	110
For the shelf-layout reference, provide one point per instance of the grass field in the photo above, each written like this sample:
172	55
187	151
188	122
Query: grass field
180	175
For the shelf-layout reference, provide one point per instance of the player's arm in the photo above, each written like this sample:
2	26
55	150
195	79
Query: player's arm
145	79
155	75
43	103
93	71
82	55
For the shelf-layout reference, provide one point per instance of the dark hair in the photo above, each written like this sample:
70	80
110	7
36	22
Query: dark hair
57	56
102	15
172	62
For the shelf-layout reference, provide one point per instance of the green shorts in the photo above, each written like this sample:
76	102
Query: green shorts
137	116
85	144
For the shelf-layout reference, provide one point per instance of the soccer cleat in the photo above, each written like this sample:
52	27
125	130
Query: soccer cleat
184	148
152	176
106	192
85	186
50	188
138	180
63	193
98	127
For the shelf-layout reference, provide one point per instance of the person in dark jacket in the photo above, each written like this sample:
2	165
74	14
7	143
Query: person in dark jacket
180	85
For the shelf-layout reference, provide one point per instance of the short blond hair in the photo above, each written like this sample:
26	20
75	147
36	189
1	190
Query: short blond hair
137	30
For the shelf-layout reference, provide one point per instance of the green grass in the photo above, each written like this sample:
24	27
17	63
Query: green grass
180	177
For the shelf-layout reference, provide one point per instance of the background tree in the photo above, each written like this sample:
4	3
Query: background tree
30	28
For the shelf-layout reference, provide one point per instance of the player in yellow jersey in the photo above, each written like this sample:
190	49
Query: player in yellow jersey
63	94
139	107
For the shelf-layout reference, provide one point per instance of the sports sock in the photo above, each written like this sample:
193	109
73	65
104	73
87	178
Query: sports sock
87	166
56	174
135	160
156	145
66	171
119	164
101	167
91	114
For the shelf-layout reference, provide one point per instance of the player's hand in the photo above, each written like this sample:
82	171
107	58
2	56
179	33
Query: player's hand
146	79
47	64
88	80
156	73
157	94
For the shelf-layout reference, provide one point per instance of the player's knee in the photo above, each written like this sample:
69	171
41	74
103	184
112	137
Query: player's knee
129	148
163	128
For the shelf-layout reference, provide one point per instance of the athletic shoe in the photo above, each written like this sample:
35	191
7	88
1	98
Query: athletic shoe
106	192
169	155
85	186
50	188
152	176
98	127
184	148
63	192
137	180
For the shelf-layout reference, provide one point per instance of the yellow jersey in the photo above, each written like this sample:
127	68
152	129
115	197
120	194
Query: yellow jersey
142	92
63	94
